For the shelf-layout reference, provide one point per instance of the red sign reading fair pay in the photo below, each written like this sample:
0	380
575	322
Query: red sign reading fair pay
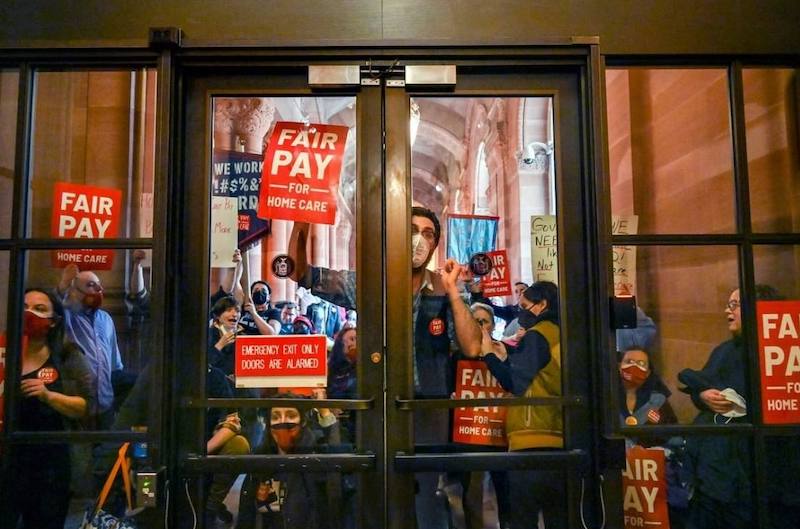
85	212
291	361
779	351
300	177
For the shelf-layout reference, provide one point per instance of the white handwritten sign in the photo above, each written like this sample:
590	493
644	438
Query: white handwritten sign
224	231
544	248
624	257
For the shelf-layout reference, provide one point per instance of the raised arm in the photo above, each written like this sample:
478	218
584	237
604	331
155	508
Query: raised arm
468	333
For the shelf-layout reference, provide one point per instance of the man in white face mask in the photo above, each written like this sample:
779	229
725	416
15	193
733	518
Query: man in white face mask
434	339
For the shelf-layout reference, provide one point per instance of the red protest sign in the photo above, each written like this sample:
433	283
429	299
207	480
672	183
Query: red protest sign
85	212
478	426
292	361
645	487
300	177
779	351
497	282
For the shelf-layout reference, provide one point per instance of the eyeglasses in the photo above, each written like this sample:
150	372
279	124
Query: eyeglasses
428	234
644	364
733	304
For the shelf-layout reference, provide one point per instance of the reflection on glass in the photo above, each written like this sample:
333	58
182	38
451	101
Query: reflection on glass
484	230
670	148
682	315
107	314
92	154
9	100
282	314
771	114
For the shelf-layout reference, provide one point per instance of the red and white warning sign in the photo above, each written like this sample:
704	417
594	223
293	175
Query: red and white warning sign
645	489
292	361
478	426
85	212
497	282
779	350
300	177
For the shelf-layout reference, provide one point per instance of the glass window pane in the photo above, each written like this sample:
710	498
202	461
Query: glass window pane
773	159
778	331
782	466
282	278
9	101
106	313
685	335
692	481
92	156
669	143
484	191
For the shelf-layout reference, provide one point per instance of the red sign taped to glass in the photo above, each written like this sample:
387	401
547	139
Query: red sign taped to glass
85	212
478	426
292	361
779	351
645	489
302	167
497	282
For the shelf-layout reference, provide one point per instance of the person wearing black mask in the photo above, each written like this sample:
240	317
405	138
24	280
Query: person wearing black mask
258	317
55	391
530	369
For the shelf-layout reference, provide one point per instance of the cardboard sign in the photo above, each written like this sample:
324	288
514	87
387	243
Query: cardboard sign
292	361
544	248
623	258
85	212
478	426
238	175
645	489
146	224
224	231
302	167
779	351
498	281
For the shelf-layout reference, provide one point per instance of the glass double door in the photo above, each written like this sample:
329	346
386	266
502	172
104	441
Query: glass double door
353	264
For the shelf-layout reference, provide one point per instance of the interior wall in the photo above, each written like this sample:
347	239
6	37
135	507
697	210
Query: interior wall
660	26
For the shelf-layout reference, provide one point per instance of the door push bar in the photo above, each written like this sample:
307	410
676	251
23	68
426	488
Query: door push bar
471	461
422	404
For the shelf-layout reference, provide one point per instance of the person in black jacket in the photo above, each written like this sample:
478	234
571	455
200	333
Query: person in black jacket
55	391
284	499
719	467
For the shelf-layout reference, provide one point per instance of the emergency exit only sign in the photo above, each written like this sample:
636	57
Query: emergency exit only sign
779	352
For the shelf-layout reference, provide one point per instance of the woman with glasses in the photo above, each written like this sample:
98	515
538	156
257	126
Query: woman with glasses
719	466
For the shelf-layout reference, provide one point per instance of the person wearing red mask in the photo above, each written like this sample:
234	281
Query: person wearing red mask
55	391
92	328
289	500
643	399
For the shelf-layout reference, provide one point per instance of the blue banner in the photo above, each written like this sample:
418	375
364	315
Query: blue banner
238	175
470	234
